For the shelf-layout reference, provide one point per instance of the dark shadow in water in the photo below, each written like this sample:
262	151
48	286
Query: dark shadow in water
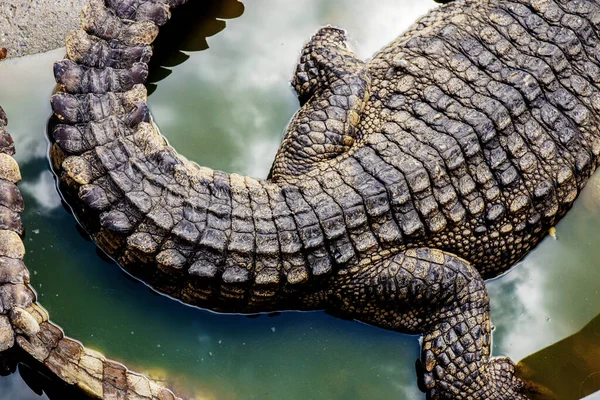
187	31
570	368
39	378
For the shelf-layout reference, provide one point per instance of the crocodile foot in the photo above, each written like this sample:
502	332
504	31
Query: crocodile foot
502	382
493	380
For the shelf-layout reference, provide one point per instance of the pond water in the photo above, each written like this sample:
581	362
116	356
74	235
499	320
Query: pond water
226	107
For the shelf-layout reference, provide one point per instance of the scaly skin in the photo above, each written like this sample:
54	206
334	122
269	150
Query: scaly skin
24	323
400	185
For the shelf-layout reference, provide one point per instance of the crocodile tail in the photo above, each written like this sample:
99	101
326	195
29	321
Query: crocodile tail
24	322
205	237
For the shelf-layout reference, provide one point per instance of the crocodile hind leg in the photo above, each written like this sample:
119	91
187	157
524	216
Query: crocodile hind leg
335	86
443	297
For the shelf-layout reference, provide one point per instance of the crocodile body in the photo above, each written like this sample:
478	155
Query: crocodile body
400	184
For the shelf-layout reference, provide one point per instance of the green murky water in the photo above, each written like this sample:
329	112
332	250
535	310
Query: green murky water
226	107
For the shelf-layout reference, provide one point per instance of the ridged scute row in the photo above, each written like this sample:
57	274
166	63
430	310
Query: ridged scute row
15	294
209	237
23	322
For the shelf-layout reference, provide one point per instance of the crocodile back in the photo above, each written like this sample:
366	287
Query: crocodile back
481	129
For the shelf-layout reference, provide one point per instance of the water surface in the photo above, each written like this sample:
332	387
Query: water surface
226	107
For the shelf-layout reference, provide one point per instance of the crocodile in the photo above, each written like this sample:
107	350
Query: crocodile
401	184
24	323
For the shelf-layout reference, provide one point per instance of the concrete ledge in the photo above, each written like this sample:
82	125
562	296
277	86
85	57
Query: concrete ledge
593	396
36	26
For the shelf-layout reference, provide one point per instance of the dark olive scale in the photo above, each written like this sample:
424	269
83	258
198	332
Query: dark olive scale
79	79
400	184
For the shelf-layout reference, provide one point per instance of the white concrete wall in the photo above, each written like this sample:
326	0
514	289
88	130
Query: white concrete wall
35	26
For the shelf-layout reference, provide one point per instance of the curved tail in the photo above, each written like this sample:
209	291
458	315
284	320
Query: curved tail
24	322
202	236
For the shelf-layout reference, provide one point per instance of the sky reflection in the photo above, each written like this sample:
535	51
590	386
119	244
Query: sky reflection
42	190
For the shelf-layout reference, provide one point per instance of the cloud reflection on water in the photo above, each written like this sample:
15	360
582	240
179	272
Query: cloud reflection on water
43	191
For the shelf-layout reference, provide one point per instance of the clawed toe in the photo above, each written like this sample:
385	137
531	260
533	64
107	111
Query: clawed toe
502	383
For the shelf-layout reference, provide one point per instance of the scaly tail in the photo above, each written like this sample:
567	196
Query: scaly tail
24	322
211	239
